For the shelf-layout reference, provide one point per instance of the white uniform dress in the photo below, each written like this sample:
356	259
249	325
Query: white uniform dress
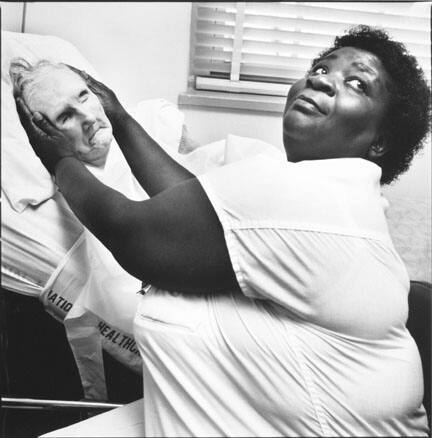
316	343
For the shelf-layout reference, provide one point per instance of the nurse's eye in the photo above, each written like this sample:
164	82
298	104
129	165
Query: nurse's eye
319	70
358	84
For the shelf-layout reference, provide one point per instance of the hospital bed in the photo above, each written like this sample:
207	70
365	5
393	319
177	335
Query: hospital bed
48	255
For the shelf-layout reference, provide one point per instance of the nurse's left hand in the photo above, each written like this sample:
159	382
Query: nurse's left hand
111	105
49	143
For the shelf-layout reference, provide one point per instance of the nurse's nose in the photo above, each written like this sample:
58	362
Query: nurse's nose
324	83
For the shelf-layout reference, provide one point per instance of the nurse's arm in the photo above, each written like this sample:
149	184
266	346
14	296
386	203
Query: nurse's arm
153	168
173	240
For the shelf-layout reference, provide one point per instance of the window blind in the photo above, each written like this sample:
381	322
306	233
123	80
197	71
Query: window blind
261	48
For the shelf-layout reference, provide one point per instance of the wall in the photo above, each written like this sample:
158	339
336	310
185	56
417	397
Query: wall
127	42
11	16
142	51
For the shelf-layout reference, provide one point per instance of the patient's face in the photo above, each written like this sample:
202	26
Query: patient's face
64	98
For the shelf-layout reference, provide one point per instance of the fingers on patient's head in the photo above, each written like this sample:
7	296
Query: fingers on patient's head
28	119
82	73
37	117
22	107
24	113
76	70
42	123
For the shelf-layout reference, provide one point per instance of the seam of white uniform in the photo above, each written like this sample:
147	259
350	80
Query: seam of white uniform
313	393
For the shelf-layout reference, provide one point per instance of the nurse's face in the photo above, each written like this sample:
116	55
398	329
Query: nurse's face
64	98
338	108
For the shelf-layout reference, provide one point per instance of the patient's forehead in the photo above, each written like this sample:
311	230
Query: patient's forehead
53	88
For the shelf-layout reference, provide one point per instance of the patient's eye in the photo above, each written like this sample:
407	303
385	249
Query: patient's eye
64	117
83	96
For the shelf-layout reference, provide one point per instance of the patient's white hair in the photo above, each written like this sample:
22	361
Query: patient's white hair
26	76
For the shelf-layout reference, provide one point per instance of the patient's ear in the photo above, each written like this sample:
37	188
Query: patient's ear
378	148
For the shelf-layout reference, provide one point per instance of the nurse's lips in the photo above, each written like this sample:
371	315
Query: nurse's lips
311	101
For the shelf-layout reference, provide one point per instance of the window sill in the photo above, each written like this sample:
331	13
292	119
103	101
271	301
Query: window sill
242	101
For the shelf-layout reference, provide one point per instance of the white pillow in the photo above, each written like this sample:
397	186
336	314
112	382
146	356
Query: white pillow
24	179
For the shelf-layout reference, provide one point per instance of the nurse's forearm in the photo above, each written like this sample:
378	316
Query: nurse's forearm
154	169
98	207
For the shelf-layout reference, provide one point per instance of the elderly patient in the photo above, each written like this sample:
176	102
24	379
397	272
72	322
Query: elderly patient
46	245
54	90
278	303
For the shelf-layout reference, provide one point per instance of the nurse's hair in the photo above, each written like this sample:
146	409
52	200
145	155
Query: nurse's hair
26	76
407	121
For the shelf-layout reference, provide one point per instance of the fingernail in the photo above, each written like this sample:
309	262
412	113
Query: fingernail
37	116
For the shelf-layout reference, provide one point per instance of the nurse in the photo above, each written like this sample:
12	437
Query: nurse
278	303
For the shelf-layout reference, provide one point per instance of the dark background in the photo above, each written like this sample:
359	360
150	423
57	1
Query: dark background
37	362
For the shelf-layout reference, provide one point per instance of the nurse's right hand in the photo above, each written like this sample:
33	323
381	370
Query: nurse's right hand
112	106
49	143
